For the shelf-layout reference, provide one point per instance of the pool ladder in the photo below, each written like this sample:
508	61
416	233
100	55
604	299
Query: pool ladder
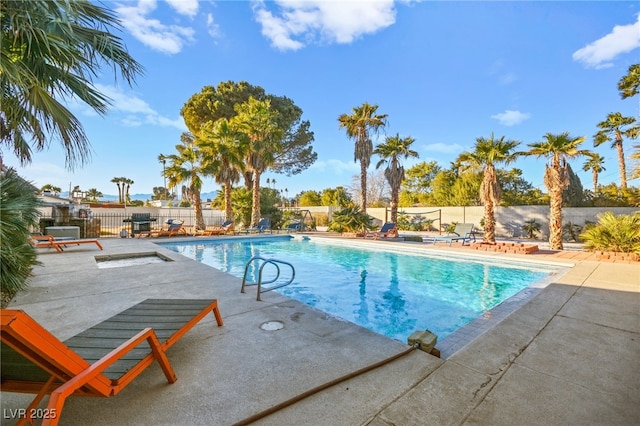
266	262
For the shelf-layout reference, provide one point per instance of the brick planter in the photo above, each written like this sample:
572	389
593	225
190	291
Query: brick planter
505	247
613	256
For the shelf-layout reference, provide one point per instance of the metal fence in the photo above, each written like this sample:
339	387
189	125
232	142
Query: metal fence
106	223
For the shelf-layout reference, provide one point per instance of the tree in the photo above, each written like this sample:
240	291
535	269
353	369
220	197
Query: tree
163	160
189	165
161	193
573	194
257	121
48	187
418	183
391	151
628	85
119	182
310	198
337	197
358	126
378	191
517	191
486	154
226	146
51	50
128	182
93	194
557	149
612	130
213	103
636	156
595	163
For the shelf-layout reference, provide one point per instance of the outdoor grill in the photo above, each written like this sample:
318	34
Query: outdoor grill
140	222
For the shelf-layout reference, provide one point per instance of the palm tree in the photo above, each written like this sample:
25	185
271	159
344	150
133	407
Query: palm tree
257	121
613	128
226	147
595	163
19	216
189	165
163	160
358	125
52	49
486	155
49	187
391	151
118	181
628	85
93	194
128	182
557	149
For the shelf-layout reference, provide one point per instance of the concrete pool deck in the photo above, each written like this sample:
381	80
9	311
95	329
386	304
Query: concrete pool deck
568	355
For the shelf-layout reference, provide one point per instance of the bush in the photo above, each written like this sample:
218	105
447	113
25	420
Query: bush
350	219
531	227
614	233
18	215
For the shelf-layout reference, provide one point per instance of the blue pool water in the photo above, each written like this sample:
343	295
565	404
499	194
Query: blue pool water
389	292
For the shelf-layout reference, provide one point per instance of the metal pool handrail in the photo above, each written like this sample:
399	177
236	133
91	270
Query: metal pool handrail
265	262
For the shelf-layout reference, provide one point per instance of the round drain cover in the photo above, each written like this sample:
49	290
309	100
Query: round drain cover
272	325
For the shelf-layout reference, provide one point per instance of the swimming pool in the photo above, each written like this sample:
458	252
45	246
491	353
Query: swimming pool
389	291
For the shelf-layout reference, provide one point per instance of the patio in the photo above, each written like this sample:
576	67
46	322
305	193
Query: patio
569	355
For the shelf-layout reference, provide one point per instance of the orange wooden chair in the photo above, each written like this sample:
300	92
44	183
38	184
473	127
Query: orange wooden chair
100	361
41	241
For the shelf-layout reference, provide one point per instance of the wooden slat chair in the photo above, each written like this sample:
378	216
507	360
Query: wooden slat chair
101	360
42	241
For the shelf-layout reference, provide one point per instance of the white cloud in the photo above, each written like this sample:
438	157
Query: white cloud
336	167
600	53
152	32
296	23
444	148
185	7
511	118
138	111
212	28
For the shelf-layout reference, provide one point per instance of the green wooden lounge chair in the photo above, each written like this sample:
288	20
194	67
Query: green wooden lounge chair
100	361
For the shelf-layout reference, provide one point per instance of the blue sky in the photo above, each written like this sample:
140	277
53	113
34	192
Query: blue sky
446	73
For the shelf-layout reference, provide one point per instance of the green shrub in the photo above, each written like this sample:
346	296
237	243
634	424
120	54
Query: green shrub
18	215
531	227
614	233
350	219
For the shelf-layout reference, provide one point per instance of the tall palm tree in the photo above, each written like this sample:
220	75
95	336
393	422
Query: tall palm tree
118	182
557	149
226	147
190	165
595	163
258	122
163	160
358	125
128	182
52	49
391	151
486	155
612	130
